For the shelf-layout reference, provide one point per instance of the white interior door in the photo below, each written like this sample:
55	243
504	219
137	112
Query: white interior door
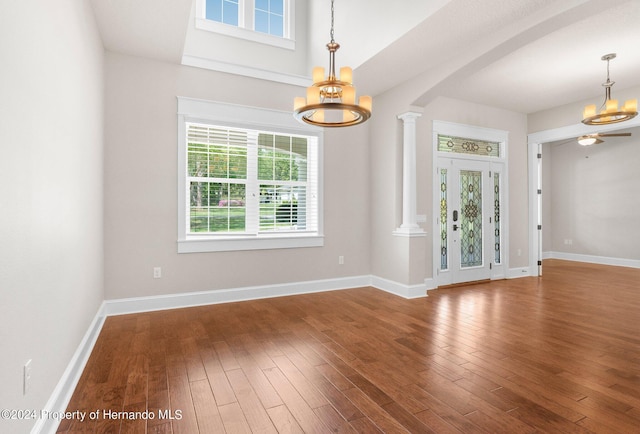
469	220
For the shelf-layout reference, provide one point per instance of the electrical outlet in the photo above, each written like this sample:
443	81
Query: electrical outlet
26	377
157	272
341	260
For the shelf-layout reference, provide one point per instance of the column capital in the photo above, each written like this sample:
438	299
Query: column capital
409	115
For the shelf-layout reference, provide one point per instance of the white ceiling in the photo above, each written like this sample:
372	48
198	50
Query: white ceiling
146	28
521	55
564	65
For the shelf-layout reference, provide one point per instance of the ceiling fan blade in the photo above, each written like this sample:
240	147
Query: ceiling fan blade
614	135
564	142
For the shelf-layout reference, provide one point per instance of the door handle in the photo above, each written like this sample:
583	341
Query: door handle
455	227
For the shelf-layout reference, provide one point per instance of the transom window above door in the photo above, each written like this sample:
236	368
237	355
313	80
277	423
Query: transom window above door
460	145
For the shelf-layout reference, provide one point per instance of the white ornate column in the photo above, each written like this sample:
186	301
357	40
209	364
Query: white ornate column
409	226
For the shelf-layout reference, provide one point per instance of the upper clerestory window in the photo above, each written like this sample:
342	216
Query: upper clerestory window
265	21
269	17
222	11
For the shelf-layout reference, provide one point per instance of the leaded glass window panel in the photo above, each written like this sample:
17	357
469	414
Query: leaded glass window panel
460	145
471	218
496	218
444	257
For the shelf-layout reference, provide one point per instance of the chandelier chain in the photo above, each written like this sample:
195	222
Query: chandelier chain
332	39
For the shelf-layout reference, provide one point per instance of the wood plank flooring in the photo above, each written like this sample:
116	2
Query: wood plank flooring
557	354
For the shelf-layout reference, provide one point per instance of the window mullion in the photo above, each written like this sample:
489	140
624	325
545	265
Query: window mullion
288	20
252	188
246	12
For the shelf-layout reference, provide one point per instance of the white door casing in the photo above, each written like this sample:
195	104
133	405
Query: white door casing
470	192
534	141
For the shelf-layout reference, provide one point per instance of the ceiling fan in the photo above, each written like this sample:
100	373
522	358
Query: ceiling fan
591	139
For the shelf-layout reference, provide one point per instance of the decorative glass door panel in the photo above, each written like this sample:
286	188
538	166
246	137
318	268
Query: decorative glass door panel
468	219
444	228
471	251
497	246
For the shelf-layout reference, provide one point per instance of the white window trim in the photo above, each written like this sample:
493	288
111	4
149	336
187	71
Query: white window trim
195	110
244	29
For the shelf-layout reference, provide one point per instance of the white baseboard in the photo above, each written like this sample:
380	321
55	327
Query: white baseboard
63	391
515	273
430	283
592	259
190	299
399	289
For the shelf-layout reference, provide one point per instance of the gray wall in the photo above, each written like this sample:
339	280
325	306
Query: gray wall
141	188
592	198
51	136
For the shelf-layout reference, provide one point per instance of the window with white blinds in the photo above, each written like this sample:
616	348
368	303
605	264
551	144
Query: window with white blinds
245	185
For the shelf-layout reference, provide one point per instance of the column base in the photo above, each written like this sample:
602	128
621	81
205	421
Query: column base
410	231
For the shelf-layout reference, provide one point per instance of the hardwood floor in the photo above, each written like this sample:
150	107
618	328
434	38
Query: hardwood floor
558	354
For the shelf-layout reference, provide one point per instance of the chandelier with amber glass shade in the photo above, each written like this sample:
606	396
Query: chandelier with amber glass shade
331	100
610	113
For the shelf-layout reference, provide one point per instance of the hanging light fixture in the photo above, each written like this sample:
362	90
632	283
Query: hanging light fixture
331	101
610	113
591	139
588	140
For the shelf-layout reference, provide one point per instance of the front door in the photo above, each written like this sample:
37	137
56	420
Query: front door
469	219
